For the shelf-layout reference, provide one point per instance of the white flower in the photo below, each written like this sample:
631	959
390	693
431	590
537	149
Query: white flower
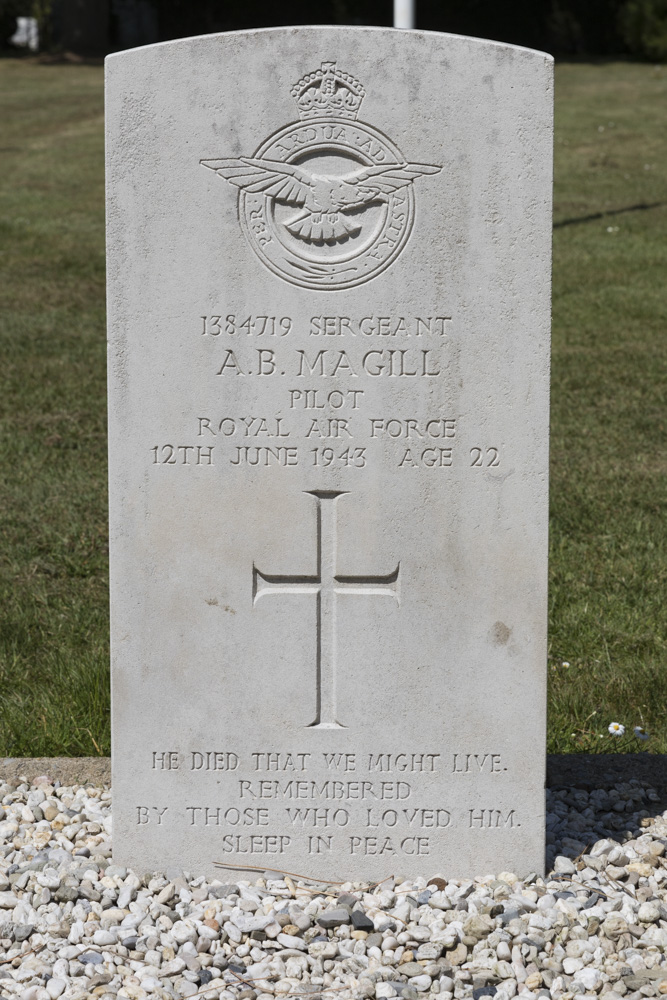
640	733
616	729
565	664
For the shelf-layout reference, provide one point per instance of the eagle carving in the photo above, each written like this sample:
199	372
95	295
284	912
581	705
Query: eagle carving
324	201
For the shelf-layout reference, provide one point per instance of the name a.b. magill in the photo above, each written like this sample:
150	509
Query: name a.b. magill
392	362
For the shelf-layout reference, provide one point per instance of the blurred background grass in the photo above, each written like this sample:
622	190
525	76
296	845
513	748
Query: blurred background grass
608	570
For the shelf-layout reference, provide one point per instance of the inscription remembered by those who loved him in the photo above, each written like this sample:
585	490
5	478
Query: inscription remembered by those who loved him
328	450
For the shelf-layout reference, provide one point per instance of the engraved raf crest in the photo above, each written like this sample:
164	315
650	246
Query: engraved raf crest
326	202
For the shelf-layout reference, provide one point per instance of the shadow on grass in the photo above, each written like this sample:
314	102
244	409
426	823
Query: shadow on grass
642	207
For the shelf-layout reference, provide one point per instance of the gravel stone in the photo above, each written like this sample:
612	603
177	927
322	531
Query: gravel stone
91	958
222	891
333	918
55	987
648	913
421	983
82	927
564	866
411	969
361	921
432	950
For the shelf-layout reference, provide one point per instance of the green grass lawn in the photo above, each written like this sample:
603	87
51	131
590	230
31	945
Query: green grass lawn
54	687
608	571
608	590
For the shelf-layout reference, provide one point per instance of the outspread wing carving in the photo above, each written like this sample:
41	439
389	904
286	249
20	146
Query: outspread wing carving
382	180
282	181
322	198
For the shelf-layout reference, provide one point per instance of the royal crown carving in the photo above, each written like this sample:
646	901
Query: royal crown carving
328	93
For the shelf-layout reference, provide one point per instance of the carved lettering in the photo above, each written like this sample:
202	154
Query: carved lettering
213	760
244	426
219	816
265	456
477	763
254	843
259	326
182	454
403	762
294	788
165	761
266	761
378	326
315	399
397	364
145	815
386	846
319	844
324	817
430	458
230	365
340	761
440	427
334	427
492	819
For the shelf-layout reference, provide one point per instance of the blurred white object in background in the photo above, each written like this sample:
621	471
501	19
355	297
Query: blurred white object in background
26	34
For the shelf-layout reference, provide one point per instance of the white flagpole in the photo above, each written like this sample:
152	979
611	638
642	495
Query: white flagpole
404	14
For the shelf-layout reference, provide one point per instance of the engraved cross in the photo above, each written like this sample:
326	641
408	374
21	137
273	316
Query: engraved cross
326	584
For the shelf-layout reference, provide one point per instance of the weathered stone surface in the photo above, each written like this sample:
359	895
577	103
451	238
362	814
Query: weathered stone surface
328	321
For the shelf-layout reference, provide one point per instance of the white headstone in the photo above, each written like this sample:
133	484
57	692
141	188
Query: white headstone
329	262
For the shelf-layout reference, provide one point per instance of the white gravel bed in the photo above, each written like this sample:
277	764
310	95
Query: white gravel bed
74	925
